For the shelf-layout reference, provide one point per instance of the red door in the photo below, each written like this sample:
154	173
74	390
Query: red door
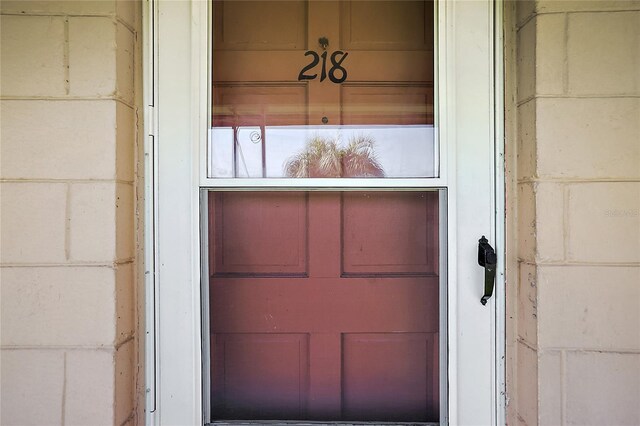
324	305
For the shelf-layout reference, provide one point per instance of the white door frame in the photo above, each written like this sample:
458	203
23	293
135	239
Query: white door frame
470	104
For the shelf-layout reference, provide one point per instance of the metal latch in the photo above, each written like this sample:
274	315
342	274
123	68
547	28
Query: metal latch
488	260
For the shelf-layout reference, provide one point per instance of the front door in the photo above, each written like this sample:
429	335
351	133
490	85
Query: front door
324	305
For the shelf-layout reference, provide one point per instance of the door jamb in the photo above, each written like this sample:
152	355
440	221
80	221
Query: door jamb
500	293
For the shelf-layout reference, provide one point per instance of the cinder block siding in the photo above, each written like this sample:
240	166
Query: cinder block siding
578	187
68	340
68	183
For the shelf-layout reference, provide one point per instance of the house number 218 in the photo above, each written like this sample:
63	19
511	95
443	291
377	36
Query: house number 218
337	58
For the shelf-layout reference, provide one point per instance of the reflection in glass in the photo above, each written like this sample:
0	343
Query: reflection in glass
326	158
269	122
323	151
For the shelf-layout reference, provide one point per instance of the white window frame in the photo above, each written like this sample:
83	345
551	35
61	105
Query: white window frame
175	170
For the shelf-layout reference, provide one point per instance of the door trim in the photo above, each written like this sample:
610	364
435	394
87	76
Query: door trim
176	130
500	291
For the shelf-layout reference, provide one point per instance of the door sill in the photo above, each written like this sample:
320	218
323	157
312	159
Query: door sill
311	423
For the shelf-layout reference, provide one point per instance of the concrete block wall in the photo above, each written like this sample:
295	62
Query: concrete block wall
68	243
578	187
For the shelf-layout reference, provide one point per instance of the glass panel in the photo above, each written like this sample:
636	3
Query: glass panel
322	89
324	306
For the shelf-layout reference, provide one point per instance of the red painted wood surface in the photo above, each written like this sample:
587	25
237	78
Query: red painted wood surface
324	306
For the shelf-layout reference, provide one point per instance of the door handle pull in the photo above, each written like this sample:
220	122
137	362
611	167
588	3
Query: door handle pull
488	260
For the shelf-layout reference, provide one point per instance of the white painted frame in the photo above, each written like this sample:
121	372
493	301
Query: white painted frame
176	120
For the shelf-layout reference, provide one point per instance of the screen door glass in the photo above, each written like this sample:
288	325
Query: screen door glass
310	89
324	305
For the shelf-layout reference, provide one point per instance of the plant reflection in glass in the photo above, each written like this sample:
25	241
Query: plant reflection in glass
325	158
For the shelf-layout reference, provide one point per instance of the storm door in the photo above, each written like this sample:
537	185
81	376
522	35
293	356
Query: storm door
326	169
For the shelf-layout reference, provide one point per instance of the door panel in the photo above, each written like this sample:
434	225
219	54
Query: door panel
386	25
365	327
390	376
404	241
261	376
260	25
260	234
257	104
386	104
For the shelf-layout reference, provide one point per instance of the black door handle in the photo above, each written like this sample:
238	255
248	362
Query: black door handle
487	258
